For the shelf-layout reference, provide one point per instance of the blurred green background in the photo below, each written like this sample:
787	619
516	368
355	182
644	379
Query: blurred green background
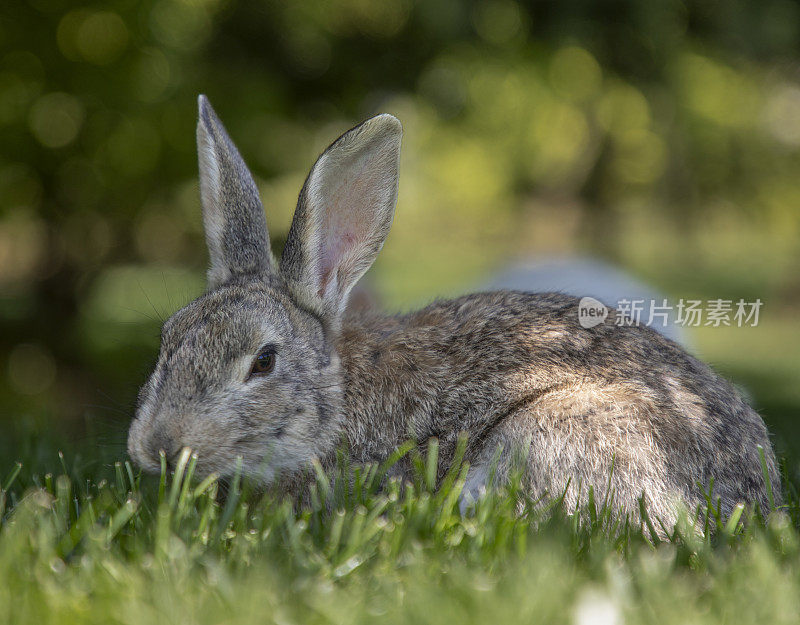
662	136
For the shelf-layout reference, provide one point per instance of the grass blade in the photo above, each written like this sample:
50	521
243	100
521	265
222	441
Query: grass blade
765	471
12	476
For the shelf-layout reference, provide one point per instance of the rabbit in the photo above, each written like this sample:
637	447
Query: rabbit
267	367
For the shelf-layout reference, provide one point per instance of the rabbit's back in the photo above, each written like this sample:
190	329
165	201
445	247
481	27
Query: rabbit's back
613	404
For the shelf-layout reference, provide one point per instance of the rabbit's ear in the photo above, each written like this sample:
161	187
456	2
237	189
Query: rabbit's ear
236	229
343	215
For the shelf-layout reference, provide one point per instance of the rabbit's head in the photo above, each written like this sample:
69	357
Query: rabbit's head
249	368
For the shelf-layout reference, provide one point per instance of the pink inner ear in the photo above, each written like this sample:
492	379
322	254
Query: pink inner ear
335	252
347	221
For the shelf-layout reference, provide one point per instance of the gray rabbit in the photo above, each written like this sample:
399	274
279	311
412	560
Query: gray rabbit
266	365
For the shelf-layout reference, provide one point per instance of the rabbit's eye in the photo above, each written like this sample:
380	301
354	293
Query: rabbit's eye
264	363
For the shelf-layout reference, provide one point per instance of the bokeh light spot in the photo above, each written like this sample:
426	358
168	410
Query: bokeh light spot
98	37
151	76
55	119
781	114
15	97
380	20
575	74
102	37
444	86
716	92
642	157
21	81
309	51
497	21
623	108
558	135
180	25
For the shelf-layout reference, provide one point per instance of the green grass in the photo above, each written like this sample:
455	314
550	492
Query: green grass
116	547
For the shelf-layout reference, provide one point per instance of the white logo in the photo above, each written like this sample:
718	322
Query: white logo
591	312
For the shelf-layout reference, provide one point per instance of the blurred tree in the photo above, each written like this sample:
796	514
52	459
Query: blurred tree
530	125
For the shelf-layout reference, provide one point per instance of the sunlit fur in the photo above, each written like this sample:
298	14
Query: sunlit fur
607	406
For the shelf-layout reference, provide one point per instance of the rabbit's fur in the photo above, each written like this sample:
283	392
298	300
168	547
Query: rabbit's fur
609	405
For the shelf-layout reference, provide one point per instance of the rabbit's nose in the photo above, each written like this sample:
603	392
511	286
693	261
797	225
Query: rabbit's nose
160	442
